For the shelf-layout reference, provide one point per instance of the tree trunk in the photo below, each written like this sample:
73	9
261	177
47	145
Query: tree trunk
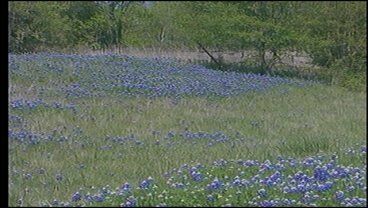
208	53
263	62
162	35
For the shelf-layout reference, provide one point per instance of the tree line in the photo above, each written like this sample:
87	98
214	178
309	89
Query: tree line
332	33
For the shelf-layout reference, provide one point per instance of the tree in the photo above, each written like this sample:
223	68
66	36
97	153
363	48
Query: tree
37	26
247	26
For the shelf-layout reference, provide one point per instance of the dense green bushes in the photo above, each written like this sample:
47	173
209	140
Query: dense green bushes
332	33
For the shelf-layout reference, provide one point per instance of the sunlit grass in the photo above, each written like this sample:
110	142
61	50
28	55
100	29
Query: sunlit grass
296	122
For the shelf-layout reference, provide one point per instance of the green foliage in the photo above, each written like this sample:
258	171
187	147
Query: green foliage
37	26
333	34
336	39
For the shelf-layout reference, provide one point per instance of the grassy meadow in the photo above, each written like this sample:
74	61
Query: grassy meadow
70	149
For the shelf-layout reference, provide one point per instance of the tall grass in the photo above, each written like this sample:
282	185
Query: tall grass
293	122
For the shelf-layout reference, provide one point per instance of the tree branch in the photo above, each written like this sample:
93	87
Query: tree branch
208	53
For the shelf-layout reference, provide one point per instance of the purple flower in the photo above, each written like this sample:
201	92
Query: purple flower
237	182
339	195
324	187
130	202
214	185
88	197
196	176
76	197
301	188
98	198
267	203
145	184
321	174
126	187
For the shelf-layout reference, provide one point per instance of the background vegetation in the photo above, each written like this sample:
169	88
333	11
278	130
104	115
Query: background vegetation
333	34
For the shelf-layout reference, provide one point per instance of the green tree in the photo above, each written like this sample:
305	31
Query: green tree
37	26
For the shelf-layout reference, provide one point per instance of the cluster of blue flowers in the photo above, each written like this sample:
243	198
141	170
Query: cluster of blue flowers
33	138
172	138
92	75
16	121
23	104
312	181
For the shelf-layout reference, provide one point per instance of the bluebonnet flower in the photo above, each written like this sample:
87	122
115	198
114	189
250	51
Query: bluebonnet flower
88	197
339	195
301	188
145	184
237	181
126	187
267	203
324	187
195	175
275	177
321	174
350	188
215	184
98	198
76	197
130	202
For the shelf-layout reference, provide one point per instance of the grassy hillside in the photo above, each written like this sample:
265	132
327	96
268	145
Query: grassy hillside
80	124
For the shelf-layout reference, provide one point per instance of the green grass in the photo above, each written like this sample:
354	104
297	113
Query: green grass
298	122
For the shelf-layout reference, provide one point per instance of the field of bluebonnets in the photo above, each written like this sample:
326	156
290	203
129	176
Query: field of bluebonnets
114	130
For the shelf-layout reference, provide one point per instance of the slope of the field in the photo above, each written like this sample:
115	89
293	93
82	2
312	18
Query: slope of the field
165	133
